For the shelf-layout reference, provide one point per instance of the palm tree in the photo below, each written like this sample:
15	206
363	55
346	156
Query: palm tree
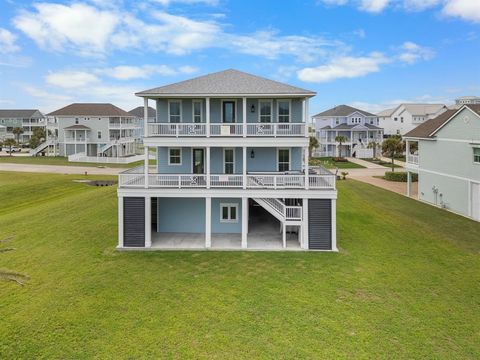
373	145
392	147
17	132
313	144
340	139
10	143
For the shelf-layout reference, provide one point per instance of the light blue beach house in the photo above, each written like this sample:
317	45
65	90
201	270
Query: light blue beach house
231	170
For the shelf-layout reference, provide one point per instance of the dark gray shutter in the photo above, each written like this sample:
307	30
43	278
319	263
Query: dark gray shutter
134	221
320	224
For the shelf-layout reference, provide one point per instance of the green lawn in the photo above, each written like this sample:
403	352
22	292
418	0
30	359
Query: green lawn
330	163
382	163
58	160
405	284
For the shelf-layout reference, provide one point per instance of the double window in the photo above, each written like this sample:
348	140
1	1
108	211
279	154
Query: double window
228	213
174	111
283	159
283	107
476	155
265	111
174	156
229	161
99	134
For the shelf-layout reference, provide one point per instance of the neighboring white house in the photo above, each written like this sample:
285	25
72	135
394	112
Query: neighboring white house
359	128
406	117
139	115
467	100
28	120
93	130
448	160
231	170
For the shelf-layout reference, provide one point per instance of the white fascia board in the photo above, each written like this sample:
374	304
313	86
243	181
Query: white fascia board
220	96
229	193
232	141
418	138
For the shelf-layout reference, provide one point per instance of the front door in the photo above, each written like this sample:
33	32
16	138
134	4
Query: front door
198	161
228	111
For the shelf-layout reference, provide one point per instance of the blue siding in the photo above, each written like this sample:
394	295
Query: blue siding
266	159
216	160
164	168
185	215
226	228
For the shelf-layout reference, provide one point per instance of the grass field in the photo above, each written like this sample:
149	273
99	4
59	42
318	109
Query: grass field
58	160
405	284
329	163
382	163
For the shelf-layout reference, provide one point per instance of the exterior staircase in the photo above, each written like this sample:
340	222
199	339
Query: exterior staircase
104	148
42	147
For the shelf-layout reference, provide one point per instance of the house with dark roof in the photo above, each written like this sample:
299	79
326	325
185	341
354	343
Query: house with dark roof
357	127
139	115
94	130
231	170
445	153
27	119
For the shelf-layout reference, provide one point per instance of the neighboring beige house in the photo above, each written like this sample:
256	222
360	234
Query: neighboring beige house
467	100
448	160
406	117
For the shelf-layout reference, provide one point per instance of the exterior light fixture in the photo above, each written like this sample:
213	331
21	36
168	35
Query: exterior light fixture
252	154
252	109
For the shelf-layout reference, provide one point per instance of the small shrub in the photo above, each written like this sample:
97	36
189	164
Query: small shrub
399	176
340	159
344	175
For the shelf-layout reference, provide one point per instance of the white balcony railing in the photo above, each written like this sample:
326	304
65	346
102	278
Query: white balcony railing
222	129
132	180
412	159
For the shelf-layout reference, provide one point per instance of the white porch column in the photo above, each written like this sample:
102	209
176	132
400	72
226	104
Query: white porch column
334	225
244	222
307	182
407	150
145	166
207	115
244	166
244	113
208	222
120	221
208	167
145	117
284	235
148	221
305	224
409	183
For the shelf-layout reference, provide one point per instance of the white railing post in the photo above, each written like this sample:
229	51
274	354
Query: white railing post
148	221
208	222
120	221
244	222
306	168
244	166
275	125
145	117
208	167
244	104
207	115
179	181
145	166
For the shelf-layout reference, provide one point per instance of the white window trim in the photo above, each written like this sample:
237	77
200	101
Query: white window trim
473	153
224	149
289	109
260	101
201	110
229	220
235	110
289	158
181	110
181	157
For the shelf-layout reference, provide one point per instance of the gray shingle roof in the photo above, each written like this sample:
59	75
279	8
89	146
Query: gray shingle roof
90	109
343	110
17	113
138	112
228	82
77	127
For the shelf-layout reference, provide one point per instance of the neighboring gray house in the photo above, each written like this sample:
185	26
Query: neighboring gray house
467	100
359	127
232	170
138	113
28	120
94	129
448	160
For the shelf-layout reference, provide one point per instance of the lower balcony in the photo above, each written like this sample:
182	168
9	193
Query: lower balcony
135	178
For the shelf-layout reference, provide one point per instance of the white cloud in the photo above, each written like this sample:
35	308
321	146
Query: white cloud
7	42
418	5
188	2
71	79
411	53
374	6
464	9
127	72
343	67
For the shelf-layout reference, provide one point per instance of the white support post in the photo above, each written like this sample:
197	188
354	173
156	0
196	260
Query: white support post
244	113
284	235
145	166
305	223
148	222
307	181
244	222
307	118
207	115
208	222
208	167
409	183
145	117
334	225
120	221
244	166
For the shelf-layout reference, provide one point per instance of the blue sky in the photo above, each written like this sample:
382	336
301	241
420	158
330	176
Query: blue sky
367	53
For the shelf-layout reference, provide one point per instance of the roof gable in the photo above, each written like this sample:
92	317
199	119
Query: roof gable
138	112
343	111
90	109
227	82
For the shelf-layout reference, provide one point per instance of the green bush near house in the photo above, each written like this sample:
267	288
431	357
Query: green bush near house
332	163
399	176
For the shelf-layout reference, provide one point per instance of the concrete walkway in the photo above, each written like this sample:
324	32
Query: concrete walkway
56	169
395	161
364	163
